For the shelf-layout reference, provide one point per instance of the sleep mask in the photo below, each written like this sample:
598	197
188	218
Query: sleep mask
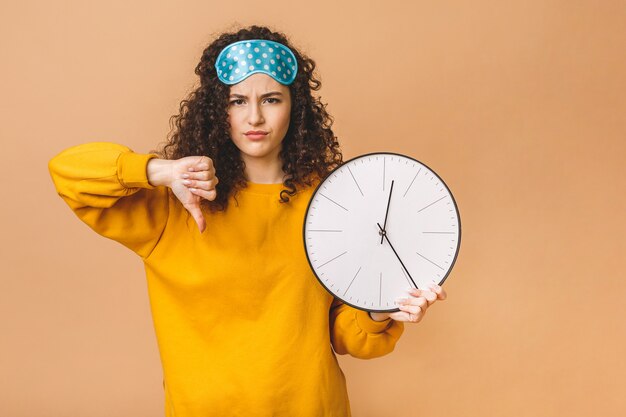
241	59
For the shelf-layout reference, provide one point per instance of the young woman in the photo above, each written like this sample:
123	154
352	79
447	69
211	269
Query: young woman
242	324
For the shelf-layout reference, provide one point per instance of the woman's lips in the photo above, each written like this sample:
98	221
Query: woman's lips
256	136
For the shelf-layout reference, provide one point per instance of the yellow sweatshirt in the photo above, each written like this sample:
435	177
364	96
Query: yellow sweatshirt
243	326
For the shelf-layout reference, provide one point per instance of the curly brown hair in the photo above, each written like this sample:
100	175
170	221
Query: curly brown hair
310	149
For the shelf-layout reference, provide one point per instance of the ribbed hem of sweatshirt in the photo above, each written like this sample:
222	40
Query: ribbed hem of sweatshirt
366	323
131	170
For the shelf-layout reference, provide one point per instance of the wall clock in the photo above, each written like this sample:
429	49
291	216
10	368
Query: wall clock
378	225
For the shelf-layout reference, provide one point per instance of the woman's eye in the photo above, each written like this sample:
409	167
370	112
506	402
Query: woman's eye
241	101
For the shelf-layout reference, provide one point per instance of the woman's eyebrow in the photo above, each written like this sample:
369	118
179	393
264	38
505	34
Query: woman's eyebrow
271	93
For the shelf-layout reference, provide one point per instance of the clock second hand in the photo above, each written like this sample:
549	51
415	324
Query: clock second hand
384	233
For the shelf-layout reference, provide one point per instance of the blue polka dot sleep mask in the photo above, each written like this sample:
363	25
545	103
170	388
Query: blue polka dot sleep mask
241	59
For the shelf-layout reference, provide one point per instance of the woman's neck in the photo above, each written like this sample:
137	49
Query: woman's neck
263	171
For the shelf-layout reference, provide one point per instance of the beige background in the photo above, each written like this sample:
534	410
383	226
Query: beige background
519	105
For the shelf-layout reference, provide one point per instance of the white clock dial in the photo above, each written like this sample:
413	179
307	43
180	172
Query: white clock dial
378	225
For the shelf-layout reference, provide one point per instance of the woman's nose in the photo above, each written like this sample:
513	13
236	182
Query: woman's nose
255	116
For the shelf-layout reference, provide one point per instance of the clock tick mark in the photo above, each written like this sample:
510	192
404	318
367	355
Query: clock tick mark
334	202
357	184
429	260
355	275
431	204
332	259
407	189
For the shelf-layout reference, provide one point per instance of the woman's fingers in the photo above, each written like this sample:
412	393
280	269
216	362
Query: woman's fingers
420	301
430	296
203	175
414	307
413	314
434	293
204	185
441	293
200	179
209	195
204	189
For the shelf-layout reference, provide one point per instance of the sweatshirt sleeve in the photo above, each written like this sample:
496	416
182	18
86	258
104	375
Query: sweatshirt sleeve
106	186
353	331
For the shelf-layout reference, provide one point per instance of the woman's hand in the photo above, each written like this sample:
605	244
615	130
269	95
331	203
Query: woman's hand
191	178
412	309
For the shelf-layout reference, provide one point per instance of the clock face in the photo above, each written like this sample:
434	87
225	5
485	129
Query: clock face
378	225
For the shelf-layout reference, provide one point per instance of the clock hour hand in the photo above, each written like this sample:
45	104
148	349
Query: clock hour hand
384	234
386	213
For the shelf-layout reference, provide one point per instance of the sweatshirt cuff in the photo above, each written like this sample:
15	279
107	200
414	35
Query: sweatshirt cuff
132	169
366	323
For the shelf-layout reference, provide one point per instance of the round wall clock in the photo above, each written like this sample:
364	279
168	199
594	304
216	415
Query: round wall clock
378	225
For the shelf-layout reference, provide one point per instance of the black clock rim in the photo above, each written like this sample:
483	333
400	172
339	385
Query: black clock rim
306	213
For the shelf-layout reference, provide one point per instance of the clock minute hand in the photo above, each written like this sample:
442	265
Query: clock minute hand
384	233
386	213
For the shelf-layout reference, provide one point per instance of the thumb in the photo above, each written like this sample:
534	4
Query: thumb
196	213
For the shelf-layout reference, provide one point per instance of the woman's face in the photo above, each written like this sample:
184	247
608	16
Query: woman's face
259	104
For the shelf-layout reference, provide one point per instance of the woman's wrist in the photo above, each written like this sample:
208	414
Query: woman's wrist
379	316
159	172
